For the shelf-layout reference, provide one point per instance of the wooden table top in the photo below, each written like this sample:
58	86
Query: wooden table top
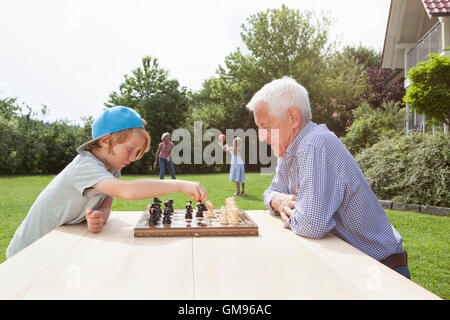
72	263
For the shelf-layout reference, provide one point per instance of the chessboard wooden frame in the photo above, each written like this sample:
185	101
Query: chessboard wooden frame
198	228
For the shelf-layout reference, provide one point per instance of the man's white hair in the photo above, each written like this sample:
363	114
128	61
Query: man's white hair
282	94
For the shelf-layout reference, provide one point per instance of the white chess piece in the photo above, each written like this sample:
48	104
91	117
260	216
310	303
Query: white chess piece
235	216
210	213
223	219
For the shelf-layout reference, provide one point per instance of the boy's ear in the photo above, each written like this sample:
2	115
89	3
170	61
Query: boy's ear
104	141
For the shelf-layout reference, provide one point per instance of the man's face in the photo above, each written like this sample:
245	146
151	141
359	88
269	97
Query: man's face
272	129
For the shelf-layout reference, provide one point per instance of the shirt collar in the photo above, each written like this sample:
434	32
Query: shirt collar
292	149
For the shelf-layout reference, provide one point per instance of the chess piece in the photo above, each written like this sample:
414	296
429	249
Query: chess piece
210	213
166	219
234	216
200	208
230	202
188	214
171	206
168	204
223	219
153	220
167	210
158	210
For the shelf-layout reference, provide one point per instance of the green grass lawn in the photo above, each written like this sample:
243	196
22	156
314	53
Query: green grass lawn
425	237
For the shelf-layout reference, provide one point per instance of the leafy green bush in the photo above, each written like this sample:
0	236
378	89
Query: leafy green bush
373	125
410	169
29	146
429	92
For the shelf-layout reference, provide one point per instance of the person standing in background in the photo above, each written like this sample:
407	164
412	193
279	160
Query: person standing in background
237	169
164	154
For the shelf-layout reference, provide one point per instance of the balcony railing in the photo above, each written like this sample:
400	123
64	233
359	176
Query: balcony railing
431	42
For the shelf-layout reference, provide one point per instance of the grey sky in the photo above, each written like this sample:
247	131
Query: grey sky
71	54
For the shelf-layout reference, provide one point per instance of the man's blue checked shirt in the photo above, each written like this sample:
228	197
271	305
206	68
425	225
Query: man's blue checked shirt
332	194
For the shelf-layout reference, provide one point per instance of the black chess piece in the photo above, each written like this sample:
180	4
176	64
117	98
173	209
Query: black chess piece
158	209
188	214
171	206
200	208
153	220
166	219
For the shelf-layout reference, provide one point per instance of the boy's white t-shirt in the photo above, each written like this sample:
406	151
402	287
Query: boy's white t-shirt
63	201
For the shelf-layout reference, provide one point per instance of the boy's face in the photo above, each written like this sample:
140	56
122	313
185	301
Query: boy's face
125	153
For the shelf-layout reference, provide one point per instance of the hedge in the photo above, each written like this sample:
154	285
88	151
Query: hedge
411	169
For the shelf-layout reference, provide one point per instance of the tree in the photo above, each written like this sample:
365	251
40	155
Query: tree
10	138
8	108
380	92
281	42
429	93
159	100
373	125
367	57
29	146
286	42
345	82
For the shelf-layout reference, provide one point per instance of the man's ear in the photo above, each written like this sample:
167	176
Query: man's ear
294	116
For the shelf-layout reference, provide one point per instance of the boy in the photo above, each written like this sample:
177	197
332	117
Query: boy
85	189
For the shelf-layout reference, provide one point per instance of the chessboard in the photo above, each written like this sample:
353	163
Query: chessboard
183	223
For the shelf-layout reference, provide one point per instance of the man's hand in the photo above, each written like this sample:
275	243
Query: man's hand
95	220
284	203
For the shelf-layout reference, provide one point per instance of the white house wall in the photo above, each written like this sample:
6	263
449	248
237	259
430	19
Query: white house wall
408	22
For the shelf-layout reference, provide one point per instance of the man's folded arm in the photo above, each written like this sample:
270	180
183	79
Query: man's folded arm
276	187
313	215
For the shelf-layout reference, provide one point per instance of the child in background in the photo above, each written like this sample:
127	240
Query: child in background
237	170
86	187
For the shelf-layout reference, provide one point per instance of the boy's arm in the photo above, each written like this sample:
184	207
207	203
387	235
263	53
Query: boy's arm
105	207
148	188
98	217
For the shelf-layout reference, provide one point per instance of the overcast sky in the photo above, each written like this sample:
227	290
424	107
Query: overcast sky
71	54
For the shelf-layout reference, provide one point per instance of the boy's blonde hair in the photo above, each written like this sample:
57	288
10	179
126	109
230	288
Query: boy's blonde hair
123	136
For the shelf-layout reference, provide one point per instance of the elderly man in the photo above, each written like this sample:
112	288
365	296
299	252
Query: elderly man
318	186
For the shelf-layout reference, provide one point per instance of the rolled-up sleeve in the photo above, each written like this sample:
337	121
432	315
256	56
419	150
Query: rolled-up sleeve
320	193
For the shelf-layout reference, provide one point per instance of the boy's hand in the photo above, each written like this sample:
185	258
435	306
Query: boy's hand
194	190
95	220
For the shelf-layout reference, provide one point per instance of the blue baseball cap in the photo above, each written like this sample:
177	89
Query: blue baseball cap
112	120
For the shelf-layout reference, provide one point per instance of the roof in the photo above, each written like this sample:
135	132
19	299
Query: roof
408	21
437	8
